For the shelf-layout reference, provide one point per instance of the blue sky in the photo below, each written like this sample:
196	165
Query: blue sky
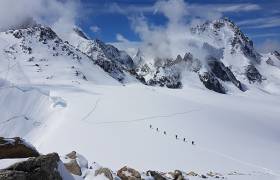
104	19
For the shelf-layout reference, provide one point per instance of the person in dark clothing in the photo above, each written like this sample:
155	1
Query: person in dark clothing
157	129
192	142
184	139
164	132
176	136
151	126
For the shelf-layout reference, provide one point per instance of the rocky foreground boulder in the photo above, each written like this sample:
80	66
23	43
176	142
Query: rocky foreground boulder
44	167
127	173
105	171
72	165
16	148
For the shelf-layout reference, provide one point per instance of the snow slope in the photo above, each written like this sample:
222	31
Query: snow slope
110	125
60	108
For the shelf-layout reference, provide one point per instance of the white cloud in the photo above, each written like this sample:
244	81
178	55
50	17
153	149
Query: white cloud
174	37
121	38
167	41
260	22
269	45
95	29
59	14
193	9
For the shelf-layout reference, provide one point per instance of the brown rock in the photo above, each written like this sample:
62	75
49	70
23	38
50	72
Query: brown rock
107	173
16	148
73	167
127	173
72	155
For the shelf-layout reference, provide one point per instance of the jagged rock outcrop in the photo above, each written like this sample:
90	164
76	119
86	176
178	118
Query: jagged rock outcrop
44	167
272	58
211	82
113	61
224	73
127	173
253	74
16	148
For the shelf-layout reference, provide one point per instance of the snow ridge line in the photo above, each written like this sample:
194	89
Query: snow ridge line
147	118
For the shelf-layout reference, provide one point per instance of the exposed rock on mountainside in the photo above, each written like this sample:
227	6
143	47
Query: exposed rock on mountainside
272	59
117	63
224	73
253	74
211	82
16	148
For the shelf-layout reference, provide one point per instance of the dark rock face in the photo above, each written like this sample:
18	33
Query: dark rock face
276	54
170	80
44	167
253	74
16	148
13	175
211	82
156	175
112	68
127	173
192	63
116	55
224	73
80	33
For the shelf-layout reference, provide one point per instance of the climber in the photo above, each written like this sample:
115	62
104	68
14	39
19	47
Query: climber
151	126
184	139
164	132
157	129
192	142
176	136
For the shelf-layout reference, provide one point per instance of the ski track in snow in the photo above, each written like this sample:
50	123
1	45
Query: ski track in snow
269	171
12	118
91	111
147	118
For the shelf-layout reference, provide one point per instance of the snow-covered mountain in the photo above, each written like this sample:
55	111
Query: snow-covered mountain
110	59
229	59
37	55
84	95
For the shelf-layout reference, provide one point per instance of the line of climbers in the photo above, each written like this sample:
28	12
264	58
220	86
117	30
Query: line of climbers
176	136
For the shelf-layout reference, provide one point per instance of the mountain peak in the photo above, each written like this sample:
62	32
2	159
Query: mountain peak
80	33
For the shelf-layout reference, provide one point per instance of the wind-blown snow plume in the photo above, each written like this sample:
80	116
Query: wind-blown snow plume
175	37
